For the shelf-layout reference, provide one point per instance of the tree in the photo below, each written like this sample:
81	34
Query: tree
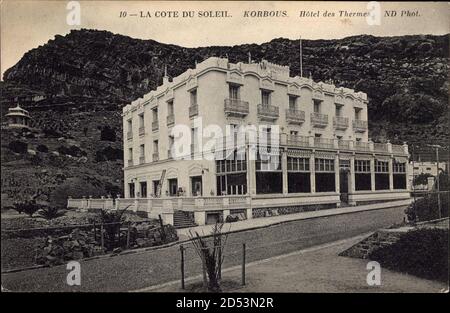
421	179
18	146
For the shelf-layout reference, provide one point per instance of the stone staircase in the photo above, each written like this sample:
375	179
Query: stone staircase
182	219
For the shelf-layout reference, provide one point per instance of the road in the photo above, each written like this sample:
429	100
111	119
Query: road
139	270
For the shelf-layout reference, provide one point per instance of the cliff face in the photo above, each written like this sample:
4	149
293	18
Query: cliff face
404	77
67	80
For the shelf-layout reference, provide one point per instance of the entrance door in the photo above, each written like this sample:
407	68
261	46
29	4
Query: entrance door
196	186
343	185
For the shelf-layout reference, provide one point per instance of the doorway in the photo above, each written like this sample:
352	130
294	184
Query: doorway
343	185
196	186
173	187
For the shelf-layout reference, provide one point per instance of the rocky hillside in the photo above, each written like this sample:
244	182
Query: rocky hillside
88	70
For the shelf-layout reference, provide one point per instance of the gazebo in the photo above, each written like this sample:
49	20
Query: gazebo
18	117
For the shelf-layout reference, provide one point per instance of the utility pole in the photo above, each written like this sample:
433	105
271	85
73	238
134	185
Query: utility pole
437	177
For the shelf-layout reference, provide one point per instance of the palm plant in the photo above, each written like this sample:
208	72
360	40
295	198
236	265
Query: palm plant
50	213
112	221
212	256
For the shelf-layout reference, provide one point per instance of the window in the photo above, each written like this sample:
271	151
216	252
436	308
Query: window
141	120
142	153
358	113
381	166
265	97
399	167
324	165
339	137
155	114
193	97
143	187
130	125
234	92
292	103
316	106
362	166
130	154
155	147
131	190
338	110
317	135
359	139
170	107
298	164
294	133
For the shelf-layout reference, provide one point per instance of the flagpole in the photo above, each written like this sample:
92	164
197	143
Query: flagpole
301	58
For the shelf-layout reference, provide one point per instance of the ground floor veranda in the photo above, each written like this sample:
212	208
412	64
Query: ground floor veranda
297	180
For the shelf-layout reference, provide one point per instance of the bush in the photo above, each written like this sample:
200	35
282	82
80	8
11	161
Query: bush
72	151
422	252
108	154
426	208
75	187
27	207
108	134
42	148
18	146
50	213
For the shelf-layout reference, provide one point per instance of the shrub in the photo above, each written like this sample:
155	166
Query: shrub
426	208
50	212
27	207
108	134
113	219
421	252
18	146
75	187
42	148
108	154
72	150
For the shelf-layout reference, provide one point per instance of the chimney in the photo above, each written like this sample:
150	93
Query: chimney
165	77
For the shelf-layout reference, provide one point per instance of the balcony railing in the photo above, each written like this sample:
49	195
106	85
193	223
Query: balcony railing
155	125
297	140
268	112
142	160
141	131
319	120
381	147
130	162
360	126
340	122
236	107
344	144
323	142
193	110
362	146
295	116
398	149
155	157
170	119
129	135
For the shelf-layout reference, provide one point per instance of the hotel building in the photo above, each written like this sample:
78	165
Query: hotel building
325	156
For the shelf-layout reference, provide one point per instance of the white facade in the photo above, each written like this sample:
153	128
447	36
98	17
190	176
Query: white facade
320	125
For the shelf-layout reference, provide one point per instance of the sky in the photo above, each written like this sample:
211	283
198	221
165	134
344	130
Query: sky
28	24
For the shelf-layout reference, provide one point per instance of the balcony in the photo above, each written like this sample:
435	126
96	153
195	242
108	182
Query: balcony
359	126
193	110
319	120
129	135
326	143
268	112
235	107
398	149
340	122
361	146
380	147
141	131
155	157
295	116
155	125
130	162
142	160
344	144
297	140
170	119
